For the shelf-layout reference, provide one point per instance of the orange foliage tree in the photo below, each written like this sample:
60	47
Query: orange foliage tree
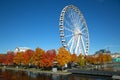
108	57
63	56
88	59
27	56
74	58
37	56
18	59
94	60
101	58
48	58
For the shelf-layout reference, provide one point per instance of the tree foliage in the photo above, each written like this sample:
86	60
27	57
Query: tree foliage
108	57
9	58
43	59
81	60
3	58
18	59
74	58
63	56
48	58
27	56
101	58
37	56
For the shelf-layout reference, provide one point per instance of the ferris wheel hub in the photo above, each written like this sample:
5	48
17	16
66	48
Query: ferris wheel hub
77	32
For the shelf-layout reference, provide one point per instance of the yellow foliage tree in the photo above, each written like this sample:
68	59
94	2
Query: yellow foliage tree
101	58
18	59
63	56
37	56
108	57
81	60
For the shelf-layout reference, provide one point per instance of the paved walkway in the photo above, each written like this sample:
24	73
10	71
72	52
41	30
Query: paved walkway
94	72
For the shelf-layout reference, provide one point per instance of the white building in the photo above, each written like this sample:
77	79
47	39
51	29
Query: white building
21	49
115	55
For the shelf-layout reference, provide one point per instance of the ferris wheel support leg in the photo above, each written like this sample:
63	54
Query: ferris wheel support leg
83	45
77	46
71	47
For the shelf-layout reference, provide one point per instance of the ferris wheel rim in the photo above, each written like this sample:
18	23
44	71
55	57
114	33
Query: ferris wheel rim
74	31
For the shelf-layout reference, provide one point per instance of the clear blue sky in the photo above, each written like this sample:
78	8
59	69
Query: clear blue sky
35	23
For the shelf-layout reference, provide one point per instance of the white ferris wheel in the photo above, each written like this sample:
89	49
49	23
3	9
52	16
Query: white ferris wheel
73	30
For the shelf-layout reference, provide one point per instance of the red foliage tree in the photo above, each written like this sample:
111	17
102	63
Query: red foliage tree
9	58
2	58
48	58
27	56
74	58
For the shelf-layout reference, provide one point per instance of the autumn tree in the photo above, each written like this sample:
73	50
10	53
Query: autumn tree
18	59
88	59
63	56
9	58
2	58
101	58
81	60
94	60
37	56
27	56
74	58
108	57
48	58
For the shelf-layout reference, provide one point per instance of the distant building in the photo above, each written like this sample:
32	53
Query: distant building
21	49
115	55
104	51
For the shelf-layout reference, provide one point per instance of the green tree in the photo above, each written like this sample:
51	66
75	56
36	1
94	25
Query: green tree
81	60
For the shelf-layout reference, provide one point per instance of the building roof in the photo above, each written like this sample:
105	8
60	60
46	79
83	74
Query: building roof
21	49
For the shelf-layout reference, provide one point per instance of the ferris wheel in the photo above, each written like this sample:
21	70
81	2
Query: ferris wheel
73	30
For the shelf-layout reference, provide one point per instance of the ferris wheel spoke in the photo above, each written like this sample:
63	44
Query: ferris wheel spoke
69	35
82	25
82	29
68	20
73	17
83	45
69	16
69	24
71	47
70	41
68	29
84	35
78	43
79	23
80	50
